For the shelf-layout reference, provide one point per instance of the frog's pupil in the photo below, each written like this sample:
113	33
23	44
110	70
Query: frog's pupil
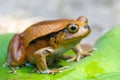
73	27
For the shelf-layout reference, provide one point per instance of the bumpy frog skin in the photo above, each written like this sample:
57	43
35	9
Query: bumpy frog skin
44	41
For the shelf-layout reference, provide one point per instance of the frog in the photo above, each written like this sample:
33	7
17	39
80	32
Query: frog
47	40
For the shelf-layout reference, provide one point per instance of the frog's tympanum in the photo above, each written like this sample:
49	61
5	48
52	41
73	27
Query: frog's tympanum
45	41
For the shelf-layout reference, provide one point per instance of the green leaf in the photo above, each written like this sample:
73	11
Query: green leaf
103	64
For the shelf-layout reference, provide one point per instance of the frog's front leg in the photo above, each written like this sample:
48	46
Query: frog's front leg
79	53
40	60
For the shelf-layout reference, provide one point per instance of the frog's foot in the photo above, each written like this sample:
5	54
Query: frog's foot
12	70
72	59
50	71
80	56
53	71
85	54
75	58
35	70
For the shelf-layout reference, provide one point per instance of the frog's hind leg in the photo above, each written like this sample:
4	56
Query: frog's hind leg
7	63
16	53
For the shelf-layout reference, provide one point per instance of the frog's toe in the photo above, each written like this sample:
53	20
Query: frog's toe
53	71
84	54
94	49
49	71
35	70
71	59
14	72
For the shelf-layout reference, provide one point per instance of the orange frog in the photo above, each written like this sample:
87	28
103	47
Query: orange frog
47	40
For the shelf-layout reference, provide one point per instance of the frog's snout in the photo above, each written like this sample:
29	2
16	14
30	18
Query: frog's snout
87	27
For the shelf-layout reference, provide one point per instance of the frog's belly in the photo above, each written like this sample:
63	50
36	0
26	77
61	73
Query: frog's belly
52	59
61	50
66	47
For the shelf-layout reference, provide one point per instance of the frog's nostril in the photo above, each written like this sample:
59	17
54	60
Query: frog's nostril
87	27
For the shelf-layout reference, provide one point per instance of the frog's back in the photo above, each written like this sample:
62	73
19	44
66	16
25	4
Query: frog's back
41	29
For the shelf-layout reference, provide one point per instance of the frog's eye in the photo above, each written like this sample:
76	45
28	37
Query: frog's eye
72	28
